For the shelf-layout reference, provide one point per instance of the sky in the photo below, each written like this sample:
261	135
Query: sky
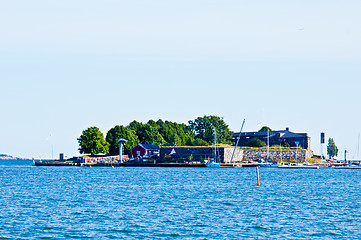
69	65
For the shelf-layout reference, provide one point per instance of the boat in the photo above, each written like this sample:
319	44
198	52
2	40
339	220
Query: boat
215	162
349	166
304	165
268	164
298	165
231	163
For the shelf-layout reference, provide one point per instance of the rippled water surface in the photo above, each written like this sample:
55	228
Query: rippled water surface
177	203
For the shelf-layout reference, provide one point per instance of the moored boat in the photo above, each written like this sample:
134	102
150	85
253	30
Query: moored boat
215	163
309	166
268	164
349	166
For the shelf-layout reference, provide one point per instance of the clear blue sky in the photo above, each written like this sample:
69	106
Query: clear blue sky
68	65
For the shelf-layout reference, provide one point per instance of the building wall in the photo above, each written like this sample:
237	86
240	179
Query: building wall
305	142
138	148
185	154
300	155
150	152
228	152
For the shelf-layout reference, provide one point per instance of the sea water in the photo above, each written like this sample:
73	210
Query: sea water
177	203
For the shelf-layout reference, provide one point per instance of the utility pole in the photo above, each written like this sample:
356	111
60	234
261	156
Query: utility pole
346	156
322	140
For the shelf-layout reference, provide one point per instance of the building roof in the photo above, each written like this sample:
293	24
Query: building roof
293	135
149	146
280	133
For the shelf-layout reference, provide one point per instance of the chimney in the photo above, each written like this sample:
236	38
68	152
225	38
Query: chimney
287	129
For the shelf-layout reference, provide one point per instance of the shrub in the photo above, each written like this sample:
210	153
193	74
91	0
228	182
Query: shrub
255	142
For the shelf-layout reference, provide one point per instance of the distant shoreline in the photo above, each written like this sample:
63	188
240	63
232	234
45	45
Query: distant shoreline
8	157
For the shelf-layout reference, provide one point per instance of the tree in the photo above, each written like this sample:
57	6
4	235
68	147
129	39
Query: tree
151	135
255	142
174	133
135	126
265	129
92	142
203	128
117	132
138	128
332	150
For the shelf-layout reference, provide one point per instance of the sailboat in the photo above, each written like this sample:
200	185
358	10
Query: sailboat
215	162
268	163
349	164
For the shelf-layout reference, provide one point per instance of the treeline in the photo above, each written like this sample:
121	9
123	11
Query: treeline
198	132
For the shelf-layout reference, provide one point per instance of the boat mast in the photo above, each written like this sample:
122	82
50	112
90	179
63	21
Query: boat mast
267	144
239	136
358	147
281	152
215	145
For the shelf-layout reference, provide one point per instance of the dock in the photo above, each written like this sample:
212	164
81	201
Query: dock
137	164
116	164
56	164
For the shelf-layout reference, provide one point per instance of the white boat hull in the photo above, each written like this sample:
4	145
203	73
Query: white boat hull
348	167
299	166
213	165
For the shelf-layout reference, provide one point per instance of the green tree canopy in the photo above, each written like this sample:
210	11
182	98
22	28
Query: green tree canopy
92	142
255	142
332	150
197	133
149	134
117	132
265	129
135	126
162	132
203	128
175	133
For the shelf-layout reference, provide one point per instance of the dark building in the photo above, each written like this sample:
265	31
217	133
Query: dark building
275	138
144	149
182	154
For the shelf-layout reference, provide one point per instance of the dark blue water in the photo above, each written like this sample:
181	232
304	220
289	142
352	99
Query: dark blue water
177	203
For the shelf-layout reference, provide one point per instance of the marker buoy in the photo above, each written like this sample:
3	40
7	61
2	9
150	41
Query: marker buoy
257	176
